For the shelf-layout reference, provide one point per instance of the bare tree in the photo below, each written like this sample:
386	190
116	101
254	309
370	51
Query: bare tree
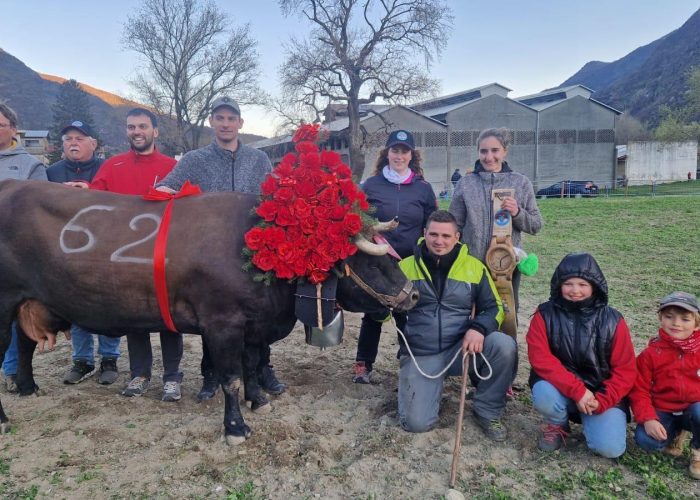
192	55
359	51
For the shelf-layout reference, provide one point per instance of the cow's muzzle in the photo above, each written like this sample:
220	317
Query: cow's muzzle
403	301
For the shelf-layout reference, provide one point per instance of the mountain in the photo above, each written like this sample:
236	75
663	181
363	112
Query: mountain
648	77
32	94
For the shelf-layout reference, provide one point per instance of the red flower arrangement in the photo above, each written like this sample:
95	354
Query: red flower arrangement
310	209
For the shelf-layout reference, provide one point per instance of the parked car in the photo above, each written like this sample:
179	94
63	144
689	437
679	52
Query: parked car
569	188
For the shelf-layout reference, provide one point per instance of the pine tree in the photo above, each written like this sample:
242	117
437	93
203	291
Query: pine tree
72	103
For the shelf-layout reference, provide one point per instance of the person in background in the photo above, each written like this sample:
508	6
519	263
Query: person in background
15	163
456	176
397	190
81	164
582	360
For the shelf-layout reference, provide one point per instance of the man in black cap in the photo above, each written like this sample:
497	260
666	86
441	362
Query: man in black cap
225	165
80	164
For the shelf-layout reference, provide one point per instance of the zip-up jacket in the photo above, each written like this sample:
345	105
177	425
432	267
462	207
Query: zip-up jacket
667	380
581	345
412	203
16	163
472	207
67	170
212	168
132	173
442	318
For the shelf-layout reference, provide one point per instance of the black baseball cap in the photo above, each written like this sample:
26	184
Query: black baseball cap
684	300
79	126
403	137
225	101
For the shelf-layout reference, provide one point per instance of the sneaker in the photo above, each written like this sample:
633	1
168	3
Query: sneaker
493	428
362	373
552	437
694	469
78	372
209	388
269	383
171	391
108	371
137	387
11	383
675	447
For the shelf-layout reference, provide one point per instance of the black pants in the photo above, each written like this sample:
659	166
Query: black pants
207	365
370	332
141	355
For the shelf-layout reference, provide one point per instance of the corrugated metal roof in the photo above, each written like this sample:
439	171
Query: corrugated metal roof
35	133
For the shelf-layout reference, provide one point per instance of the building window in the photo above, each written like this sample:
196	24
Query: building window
566	136
435	139
604	136
524	137
32	143
461	138
548	137
586	136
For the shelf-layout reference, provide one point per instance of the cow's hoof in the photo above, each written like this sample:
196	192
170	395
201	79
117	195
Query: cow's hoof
261	408
28	390
4	427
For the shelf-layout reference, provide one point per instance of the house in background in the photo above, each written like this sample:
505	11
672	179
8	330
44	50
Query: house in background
557	134
36	142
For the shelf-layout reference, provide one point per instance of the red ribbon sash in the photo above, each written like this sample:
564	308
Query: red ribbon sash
161	245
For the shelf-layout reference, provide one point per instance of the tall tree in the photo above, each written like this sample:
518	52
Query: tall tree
359	51
72	103
192	54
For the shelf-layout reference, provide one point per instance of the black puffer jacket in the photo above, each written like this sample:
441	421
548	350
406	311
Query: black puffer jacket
580	334
67	170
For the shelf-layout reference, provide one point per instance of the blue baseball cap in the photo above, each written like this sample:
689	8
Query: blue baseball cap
403	137
78	125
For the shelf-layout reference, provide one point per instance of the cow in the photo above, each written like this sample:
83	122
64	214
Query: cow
86	257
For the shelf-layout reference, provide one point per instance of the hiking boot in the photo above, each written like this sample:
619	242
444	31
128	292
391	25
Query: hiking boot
362	374
493	428
78	372
11	383
269	383
137	387
694	469
108	371
209	388
675	447
552	437
171	391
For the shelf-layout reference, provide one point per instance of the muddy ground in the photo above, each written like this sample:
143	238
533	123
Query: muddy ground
325	438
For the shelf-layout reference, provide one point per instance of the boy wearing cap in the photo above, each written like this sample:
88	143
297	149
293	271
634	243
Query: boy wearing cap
666	396
81	165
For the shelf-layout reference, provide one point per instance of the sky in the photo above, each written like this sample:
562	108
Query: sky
526	46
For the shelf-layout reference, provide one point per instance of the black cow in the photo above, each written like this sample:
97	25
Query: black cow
86	257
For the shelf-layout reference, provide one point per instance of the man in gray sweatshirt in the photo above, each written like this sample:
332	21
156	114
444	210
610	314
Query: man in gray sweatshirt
225	165
15	163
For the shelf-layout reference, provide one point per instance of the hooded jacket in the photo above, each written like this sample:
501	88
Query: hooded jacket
411	203
67	170
581	345
16	163
472	207
668	379
443	313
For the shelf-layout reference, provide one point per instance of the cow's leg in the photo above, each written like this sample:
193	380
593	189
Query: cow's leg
226	351
5	338
252	390
25	372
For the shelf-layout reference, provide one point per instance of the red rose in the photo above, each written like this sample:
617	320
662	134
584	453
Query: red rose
306	147
330	158
288	161
274	236
352	223
267	210
362	199
295	233
343	171
265	260
338	212
306	132
283	196
286	252
268	186
254	238
329	196
284	271
285	217
305	189
317	276
311	161
301	209
284	169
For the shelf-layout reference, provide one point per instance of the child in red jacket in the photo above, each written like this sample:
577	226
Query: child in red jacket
666	397
582	360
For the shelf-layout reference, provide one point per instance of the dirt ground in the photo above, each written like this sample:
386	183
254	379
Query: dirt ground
325	437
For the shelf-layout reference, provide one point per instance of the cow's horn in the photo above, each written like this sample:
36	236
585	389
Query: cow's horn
386	226
370	248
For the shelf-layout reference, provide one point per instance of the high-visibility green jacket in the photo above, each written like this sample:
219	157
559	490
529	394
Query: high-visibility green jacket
437	323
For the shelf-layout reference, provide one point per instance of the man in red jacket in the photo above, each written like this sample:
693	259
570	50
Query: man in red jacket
134	172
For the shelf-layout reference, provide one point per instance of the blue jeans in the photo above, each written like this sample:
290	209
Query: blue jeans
9	363
605	432
688	420
84	343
